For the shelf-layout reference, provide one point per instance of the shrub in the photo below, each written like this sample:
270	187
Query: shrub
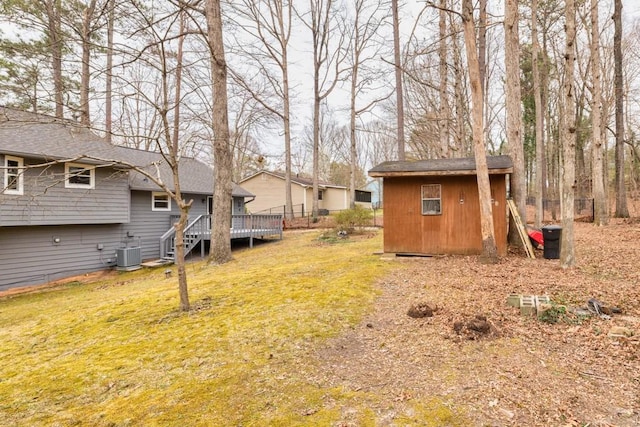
350	219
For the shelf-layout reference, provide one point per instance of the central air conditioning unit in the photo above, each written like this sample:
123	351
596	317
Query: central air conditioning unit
128	259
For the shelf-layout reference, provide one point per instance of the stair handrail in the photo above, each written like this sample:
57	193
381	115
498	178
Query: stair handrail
167	239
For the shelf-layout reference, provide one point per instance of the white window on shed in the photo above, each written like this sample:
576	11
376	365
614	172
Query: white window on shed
160	202
431	199
79	176
13	170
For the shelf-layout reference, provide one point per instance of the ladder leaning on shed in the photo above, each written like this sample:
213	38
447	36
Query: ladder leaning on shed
521	230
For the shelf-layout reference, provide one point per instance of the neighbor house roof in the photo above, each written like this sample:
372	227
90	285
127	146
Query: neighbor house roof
439	167
304	182
39	136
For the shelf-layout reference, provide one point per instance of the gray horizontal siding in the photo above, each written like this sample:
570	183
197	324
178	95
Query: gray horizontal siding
46	201
28	255
147	226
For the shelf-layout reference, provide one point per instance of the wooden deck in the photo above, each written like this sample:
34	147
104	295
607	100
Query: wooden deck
198	230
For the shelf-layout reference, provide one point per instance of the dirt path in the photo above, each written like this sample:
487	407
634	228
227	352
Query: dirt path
524	372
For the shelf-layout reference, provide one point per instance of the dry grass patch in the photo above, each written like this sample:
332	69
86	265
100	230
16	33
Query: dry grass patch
116	352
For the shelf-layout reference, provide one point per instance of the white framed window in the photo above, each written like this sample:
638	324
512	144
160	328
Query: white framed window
78	175
160	202
431	199
13	179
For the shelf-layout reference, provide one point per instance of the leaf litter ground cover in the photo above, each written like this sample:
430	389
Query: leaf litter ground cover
526	372
315	332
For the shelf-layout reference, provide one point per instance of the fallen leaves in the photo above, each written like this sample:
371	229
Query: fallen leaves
528	372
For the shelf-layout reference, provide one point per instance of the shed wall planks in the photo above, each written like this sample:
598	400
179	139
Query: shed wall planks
456	230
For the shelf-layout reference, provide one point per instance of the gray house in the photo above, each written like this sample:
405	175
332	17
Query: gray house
65	209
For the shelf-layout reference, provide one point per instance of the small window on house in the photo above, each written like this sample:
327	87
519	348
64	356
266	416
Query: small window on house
320	193
79	176
431	200
13	180
160	202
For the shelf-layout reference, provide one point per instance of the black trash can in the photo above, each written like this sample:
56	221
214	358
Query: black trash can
551	237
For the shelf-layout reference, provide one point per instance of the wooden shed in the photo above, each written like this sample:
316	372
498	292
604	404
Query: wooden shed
432	206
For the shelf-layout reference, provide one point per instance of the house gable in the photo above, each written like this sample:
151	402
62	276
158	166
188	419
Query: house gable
269	188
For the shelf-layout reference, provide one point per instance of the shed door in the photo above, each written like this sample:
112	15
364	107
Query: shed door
402	205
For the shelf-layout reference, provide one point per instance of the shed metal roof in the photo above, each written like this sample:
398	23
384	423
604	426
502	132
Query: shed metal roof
440	167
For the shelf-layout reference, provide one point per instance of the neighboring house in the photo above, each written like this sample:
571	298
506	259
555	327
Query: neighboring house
375	187
432	206
62	213
269	188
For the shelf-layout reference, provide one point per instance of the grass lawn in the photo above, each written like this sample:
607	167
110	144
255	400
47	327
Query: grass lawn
117	352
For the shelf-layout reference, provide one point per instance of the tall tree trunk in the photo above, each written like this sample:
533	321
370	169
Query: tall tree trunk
53	8
461	147
398	74
317	31
622	210
597	166
443	120
539	111
176	108
316	144
353	149
568	137
514	115
85	75
287	139
175	155
489	249
284	42
108	121
223	161
482	60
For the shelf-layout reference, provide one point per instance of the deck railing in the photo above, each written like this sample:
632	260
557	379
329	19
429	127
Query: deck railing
193	234
242	226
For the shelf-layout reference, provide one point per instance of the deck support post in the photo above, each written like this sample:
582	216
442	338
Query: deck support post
251	231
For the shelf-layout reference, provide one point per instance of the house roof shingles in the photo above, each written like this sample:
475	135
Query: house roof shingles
439	167
38	136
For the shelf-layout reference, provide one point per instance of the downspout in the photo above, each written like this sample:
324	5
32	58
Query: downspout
249	201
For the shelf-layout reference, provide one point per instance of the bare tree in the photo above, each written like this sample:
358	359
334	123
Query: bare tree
622	211
328	37
221	228
597	163
271	26
489	248
539	112
482	57
85	31
444	109
398	75
365	27
514	113
108	112
53	10
568	138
